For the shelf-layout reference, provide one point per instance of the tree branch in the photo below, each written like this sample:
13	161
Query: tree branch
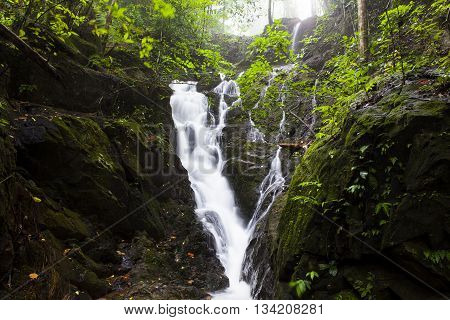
29	52
302	121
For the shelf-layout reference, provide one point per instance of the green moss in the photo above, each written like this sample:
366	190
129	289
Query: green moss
317	167
363	123
84	278
393	100
86	135
129	136
393	150
131	125
65	224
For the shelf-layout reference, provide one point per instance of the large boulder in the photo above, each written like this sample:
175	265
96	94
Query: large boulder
76	163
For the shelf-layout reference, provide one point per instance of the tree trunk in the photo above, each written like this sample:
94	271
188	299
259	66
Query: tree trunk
269	13
29	52
363	29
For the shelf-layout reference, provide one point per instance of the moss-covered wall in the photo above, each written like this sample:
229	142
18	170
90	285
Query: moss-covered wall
379	187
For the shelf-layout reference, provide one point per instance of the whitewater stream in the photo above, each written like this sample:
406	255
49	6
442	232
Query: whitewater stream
198	146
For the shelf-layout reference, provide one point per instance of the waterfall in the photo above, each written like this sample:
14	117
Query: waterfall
294	37
281	126
201	155
270	188
198	147
265	88
254	134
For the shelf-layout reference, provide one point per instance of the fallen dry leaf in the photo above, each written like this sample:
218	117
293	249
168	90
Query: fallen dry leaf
33	276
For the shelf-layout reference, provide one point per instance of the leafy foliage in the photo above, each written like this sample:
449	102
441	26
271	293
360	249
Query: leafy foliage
171	37
273	45
365	287
300	286
410	35
438	256
261	86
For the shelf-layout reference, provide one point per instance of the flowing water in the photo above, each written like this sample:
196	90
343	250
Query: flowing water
198	146
294	37
270	188
254	134
201	155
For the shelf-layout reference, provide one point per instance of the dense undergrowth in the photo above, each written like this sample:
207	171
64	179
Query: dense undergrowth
407	37
164	40
379	125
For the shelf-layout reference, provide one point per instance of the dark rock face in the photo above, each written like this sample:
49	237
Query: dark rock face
373	219
75	163
247	162
95	206
7	165
80	89
258	268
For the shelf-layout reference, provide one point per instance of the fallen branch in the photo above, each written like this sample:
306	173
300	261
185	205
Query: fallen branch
29	52
302	121
7	178
293	145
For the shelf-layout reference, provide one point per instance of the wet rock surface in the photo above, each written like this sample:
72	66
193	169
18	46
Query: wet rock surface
97	207
368	209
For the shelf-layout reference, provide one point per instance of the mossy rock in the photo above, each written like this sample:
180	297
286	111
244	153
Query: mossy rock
395	150
76	162
83	278
64	224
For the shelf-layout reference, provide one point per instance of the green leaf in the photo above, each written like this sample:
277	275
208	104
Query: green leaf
312	275
363	149
383	206
333	270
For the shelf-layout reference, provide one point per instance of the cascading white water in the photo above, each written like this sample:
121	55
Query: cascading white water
294	37
282	124
201	155
263	93
272	185
269	190
254	134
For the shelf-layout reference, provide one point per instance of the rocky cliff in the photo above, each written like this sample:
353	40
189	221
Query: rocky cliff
368	209
93	200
